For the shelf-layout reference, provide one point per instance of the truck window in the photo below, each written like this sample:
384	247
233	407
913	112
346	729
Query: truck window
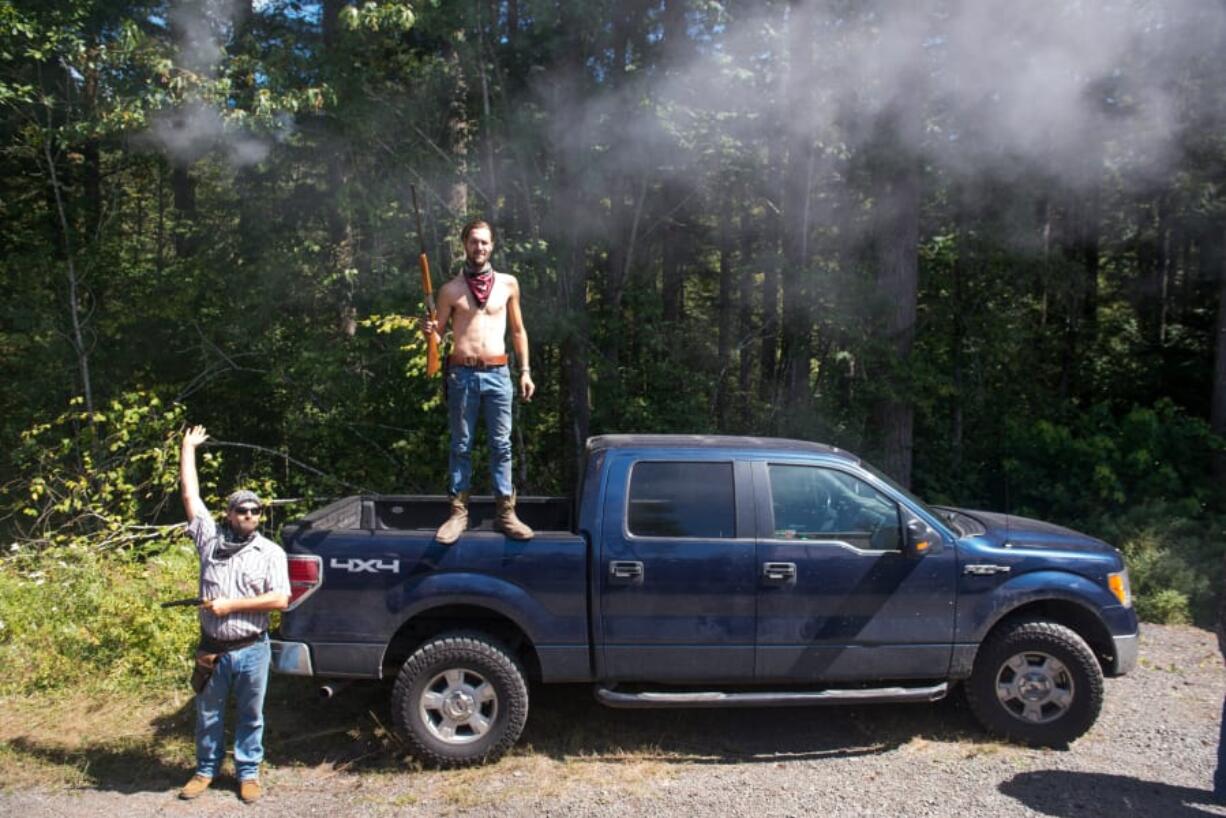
813	503
682	500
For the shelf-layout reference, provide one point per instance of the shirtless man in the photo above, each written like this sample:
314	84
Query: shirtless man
479	302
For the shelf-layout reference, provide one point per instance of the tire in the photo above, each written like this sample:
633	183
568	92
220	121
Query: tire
460	700
1037	683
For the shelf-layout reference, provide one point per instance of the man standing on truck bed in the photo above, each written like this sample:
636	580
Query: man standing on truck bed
243	576
479	302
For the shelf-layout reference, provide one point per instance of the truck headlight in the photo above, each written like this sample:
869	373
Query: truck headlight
1119	585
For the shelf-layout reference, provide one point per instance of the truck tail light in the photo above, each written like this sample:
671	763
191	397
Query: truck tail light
306	574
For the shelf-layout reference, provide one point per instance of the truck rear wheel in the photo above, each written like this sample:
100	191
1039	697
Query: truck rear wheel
459	700
1037	683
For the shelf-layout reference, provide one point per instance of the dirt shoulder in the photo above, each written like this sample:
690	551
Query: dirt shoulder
1152	751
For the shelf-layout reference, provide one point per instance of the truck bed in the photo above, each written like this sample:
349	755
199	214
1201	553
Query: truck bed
426	512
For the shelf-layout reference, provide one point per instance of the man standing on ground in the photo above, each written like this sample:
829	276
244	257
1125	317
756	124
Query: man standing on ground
243	576
480	303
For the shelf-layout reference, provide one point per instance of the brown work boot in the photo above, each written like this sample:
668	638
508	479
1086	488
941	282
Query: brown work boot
195	787
508	523
250	790
451	530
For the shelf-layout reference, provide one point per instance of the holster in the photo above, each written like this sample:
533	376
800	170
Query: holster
203	671
209	651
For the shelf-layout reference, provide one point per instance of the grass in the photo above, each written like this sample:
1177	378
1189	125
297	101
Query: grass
130	740
107	739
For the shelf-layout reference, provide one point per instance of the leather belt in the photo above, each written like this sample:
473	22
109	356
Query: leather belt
477	361
211	645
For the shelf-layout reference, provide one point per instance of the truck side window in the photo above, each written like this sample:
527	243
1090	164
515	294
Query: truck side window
682	500
812	503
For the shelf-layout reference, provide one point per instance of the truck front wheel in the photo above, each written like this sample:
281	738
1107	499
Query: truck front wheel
460	699
1037	683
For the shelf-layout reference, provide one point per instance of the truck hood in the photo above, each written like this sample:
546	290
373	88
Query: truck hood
1024	532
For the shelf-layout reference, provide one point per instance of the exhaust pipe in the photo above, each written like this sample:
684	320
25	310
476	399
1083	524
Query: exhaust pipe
329	690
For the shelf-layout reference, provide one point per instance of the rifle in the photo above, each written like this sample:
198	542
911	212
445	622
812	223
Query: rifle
194	602
432	360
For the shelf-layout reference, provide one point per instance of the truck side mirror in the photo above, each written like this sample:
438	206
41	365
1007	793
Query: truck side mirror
921	539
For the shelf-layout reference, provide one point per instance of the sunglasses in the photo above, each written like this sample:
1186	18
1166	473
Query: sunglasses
244	511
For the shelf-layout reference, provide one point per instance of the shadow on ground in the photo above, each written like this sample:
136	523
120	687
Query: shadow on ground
1066	793
352	733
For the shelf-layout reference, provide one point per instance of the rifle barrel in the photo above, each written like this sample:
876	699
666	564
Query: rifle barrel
194	601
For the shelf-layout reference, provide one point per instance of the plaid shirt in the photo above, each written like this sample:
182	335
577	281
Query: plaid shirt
257	569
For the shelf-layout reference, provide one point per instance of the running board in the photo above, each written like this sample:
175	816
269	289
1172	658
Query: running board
872	695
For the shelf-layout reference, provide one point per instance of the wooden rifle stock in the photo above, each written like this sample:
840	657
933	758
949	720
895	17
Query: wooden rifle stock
432	359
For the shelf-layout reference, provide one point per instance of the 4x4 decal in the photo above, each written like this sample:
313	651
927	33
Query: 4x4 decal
358	566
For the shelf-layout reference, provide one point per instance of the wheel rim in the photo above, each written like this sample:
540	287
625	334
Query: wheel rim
1035	687
458	706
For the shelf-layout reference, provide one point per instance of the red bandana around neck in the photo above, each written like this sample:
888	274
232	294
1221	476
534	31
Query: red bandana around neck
480	283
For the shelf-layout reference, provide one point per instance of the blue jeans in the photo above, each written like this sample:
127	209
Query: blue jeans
468	391
245	672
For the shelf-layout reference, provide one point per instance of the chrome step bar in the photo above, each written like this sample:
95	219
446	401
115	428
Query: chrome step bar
610	697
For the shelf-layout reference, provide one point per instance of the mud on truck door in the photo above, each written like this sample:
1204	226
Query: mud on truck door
838	599
676	571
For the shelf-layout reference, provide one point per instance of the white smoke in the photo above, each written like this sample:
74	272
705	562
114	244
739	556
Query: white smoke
194	128
1047	85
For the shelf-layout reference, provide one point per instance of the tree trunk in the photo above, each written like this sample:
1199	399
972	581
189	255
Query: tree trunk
724	309
568	76
797	299
160	256
458	133
183	187
768	366
676	249
628	196
1217	416
898	203
746	329
75	318
92	154
340	225
958	342
898	267
673	255
512	23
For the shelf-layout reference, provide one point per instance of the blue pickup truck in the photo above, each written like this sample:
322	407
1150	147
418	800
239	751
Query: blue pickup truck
696	571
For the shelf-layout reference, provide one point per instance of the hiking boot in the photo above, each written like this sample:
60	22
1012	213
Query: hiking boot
508	523
250	790
195	787
451	530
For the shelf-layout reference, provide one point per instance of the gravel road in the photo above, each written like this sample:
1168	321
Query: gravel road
1152	752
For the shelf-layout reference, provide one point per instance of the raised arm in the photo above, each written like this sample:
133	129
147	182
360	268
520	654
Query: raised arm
519	342
188	481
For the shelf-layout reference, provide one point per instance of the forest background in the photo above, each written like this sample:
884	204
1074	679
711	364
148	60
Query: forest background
980	243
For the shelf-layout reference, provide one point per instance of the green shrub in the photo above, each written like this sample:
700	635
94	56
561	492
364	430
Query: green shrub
1174	554
71	617
1165	607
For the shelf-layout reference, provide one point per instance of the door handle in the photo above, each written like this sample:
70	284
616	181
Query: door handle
779	571
626	569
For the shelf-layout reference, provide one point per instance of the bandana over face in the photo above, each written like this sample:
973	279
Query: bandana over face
230	542
480	283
